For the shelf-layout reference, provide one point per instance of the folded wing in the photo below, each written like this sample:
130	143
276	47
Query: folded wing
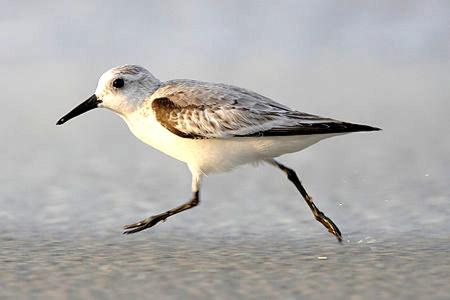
198	110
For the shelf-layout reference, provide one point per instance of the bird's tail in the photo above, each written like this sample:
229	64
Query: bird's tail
351	127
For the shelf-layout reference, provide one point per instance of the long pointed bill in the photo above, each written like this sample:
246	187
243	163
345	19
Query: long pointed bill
87	105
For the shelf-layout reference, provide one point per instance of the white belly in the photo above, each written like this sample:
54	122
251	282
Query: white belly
217	155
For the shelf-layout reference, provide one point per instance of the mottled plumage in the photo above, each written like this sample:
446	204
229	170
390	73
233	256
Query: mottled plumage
194	109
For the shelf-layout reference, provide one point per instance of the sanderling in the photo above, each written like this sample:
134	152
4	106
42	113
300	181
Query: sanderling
211	127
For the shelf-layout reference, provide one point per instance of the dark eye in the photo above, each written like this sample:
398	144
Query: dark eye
118	83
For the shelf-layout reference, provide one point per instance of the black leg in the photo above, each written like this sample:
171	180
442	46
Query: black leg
153	220
320	216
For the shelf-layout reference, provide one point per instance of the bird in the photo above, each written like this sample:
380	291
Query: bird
212	127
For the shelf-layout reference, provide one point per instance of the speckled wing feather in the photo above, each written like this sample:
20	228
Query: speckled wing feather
193	109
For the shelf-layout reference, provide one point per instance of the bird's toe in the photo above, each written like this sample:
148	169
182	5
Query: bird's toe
143	224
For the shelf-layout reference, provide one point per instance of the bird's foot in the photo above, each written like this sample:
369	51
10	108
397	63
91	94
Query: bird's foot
332	228
144	224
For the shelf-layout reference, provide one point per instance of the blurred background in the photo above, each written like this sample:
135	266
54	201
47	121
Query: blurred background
66	191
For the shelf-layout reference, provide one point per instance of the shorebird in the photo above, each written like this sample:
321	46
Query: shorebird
211	127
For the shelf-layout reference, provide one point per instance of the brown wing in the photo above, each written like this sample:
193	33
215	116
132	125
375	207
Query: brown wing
198	110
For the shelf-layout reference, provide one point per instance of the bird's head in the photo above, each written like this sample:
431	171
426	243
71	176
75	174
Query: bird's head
120	89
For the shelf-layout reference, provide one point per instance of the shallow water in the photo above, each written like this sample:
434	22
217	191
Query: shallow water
174	265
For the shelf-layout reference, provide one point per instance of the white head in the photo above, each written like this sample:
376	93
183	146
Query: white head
120	89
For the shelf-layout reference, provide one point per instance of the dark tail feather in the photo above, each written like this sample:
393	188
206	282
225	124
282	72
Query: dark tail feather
350	127
313	128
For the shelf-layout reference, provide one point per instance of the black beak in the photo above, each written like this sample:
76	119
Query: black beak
87	105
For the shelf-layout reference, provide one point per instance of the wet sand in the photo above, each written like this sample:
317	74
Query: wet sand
168	265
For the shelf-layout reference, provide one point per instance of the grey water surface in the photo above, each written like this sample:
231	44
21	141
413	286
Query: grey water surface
65	192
